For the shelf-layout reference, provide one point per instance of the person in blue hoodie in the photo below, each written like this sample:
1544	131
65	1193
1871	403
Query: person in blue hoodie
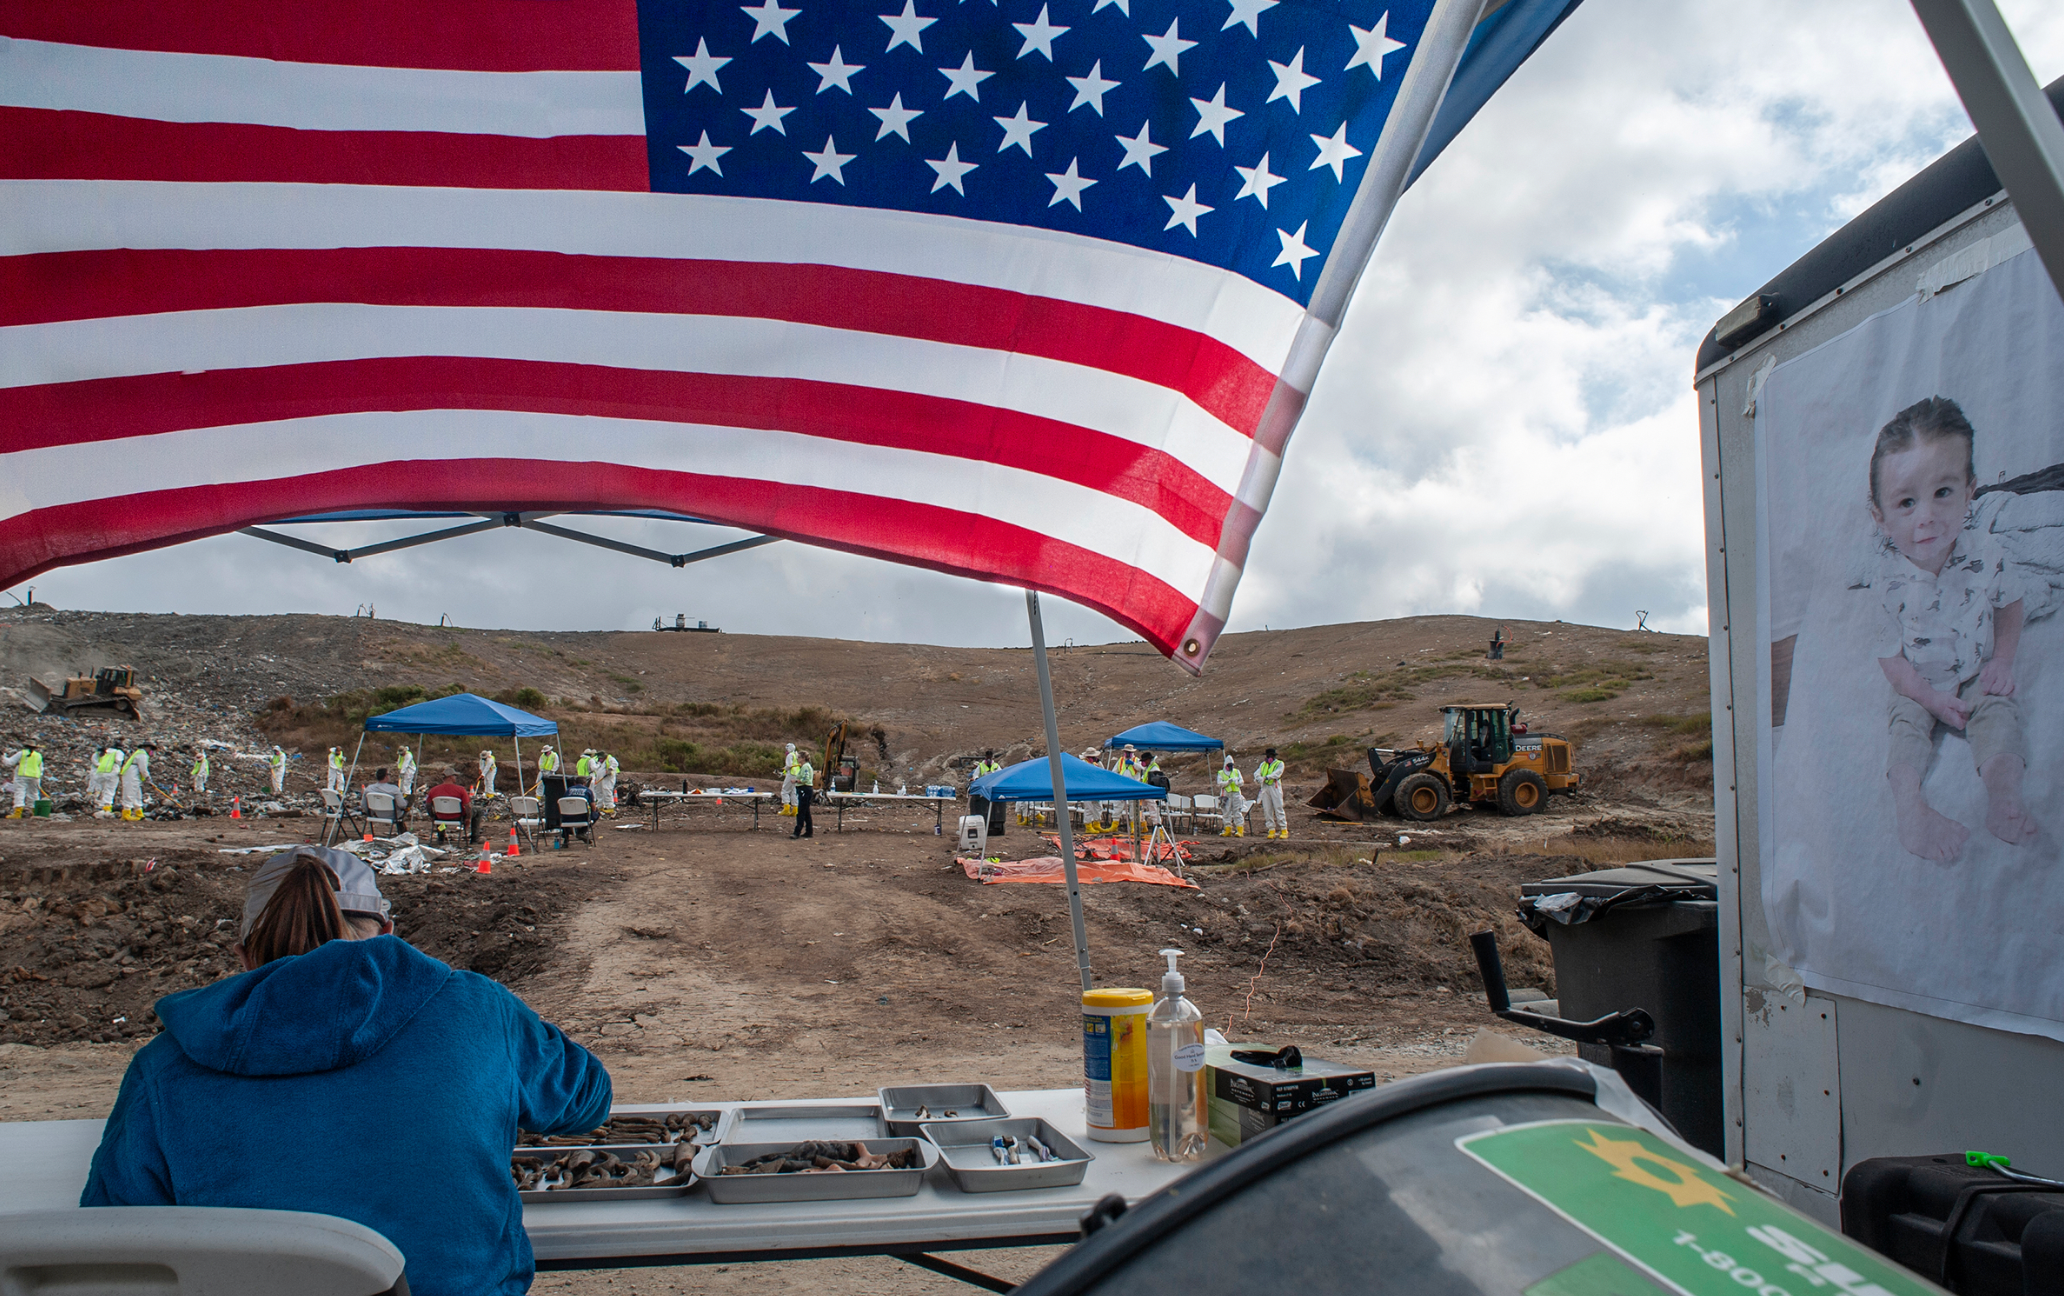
349	1074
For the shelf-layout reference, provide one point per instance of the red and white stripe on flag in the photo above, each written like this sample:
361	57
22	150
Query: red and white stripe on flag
264	260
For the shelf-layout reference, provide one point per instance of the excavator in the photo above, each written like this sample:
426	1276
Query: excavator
841	772
1485	756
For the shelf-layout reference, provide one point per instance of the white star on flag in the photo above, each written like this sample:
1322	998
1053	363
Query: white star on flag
896	119
950	169
1294	253
1091	89
1248	12
907	27
1184	211
1259	181
838	72
767	116
965	79
702	67
769	19
1334	151
1213	115
1038	36
1292	81
1140	150
829	162
1068	187
1167	47
1372	45
703	154
1018	131
1124	7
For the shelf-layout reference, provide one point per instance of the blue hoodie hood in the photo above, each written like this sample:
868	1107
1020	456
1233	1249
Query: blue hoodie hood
333	1007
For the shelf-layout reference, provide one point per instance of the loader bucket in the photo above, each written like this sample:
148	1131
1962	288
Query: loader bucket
1345	797
39	694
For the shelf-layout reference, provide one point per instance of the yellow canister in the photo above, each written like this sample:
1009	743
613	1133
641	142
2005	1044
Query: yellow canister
1114	1064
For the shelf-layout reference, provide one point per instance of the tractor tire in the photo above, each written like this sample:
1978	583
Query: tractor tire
1521	792
1422	797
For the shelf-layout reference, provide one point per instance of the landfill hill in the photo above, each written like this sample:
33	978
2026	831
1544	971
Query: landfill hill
668	703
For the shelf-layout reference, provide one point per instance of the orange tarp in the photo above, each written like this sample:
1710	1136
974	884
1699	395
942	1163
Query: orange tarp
1049	870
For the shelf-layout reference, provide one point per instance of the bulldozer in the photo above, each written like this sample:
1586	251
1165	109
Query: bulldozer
1485	756
111	688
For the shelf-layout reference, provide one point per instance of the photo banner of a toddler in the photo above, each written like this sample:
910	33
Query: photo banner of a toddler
1910	518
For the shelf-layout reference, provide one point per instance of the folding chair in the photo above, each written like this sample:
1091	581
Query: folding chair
577	818
1178	810
381	813
529	816
167	1250
447	812
336	814
1204	807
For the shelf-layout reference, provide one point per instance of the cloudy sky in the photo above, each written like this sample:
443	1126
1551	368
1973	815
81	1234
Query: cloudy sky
1520	351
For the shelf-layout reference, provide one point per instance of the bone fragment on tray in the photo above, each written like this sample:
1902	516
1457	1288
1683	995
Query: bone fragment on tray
656	1127
817	1157
588	1168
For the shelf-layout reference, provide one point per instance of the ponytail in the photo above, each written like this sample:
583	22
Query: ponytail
302	914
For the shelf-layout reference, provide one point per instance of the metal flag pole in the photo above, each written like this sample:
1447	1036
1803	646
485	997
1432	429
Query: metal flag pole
1060	788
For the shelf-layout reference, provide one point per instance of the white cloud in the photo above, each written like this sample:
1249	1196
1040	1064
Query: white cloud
1505	426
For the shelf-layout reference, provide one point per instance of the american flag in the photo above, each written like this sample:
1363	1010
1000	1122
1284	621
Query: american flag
1005	288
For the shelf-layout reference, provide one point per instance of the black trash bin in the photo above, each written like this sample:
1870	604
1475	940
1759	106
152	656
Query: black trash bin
1644	936
983	808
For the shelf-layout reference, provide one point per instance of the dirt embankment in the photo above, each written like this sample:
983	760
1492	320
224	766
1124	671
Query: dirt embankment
1635	704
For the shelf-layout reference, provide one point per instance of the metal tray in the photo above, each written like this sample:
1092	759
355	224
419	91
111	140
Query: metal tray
765	1123
964	1147
973	1101
714	1135
737	1189
675	1189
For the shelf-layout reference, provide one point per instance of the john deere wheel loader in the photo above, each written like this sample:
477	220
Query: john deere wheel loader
1480	758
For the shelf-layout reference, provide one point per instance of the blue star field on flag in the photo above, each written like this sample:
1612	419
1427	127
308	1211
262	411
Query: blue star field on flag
1232	132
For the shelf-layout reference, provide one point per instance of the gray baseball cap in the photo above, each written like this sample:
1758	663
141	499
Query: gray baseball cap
358	891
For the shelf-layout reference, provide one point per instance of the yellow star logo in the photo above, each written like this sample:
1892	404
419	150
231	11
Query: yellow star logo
1636	1164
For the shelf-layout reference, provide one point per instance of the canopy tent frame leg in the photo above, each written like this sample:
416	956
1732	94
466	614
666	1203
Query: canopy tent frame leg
2016	124
1060	788
349	779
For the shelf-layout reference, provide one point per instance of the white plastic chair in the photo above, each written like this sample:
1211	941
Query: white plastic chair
447	812
380	813
187	1250
1204	807
525	809
335	813
577	817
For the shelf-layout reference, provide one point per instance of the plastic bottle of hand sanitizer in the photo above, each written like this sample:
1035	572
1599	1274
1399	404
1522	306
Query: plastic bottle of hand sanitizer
1176	1119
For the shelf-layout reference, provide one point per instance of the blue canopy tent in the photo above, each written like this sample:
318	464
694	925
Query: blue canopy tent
1159	735
1032	780
460	715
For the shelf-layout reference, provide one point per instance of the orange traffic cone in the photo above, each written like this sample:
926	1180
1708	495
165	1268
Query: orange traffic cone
486	864
514	850
369	836
236	807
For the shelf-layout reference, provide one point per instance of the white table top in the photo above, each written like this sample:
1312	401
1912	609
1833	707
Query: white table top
47	1163
885	796
709	796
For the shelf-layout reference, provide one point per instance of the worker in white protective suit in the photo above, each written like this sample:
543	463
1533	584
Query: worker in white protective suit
276	764
198	772
104	780
405	771
1268	778
791	765
1232	805
336	779
135	773
27	765
606	770
487	774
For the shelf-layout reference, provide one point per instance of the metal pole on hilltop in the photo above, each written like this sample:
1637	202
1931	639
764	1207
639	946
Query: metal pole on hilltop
1060	788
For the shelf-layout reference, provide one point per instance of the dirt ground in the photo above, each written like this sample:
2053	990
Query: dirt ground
707	961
